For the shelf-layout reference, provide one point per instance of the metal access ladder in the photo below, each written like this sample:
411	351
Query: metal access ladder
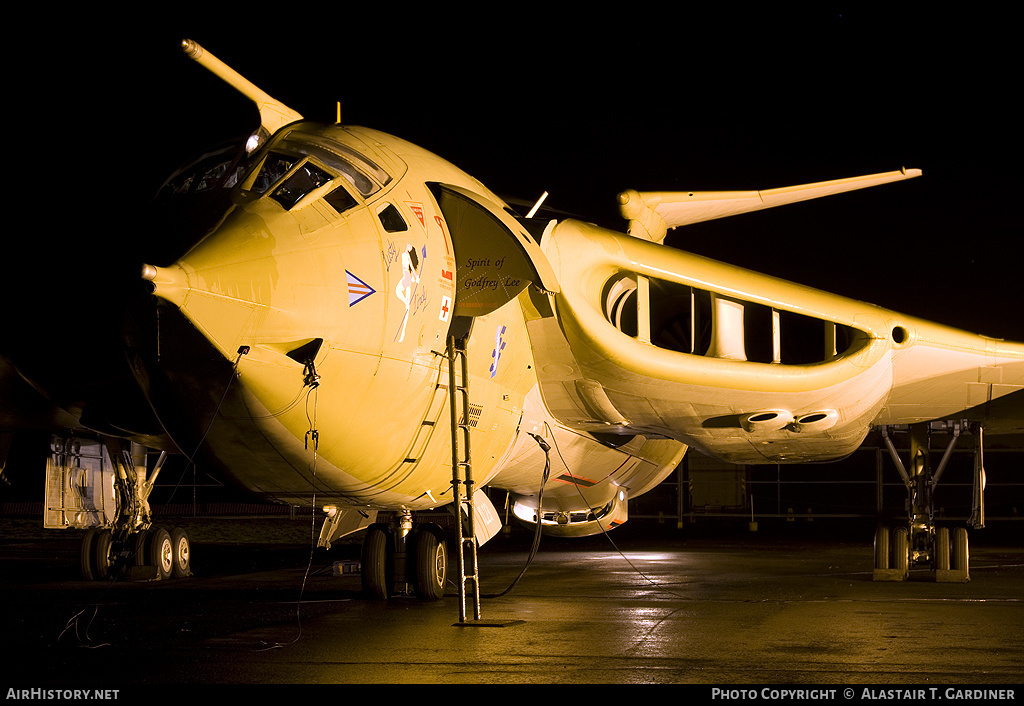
462	475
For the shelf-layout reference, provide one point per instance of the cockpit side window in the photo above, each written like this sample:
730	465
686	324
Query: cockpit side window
340	200
391	219
306	178
275	166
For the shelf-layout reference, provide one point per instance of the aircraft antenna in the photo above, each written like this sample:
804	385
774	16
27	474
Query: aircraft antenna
536	206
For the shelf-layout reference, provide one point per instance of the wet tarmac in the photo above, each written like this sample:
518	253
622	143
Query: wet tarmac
679	608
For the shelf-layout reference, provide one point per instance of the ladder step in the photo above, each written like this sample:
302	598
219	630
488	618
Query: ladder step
457	360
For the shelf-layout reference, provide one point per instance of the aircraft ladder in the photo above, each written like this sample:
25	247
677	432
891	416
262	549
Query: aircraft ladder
462	475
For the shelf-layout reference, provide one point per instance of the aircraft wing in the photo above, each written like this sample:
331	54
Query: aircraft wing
647	339
652	213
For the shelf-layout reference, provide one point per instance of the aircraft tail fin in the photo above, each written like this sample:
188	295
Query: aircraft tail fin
273	113
652	213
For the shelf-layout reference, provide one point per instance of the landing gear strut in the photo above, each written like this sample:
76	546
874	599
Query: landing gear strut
920	542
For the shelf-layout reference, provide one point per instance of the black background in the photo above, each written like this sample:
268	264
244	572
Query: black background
580	103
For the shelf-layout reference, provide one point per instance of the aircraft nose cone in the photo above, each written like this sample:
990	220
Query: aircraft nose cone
170	283
222	318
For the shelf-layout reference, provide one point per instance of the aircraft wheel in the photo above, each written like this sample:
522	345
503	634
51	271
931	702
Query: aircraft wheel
181	559
882	548
431	566
104	552
141	555
376	565
161	552
960	558
87	555
942	549
901	550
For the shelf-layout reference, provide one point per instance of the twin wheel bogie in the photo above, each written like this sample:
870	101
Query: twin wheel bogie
943	551
154	554
393	560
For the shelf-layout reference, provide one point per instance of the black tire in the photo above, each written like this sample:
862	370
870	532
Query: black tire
181	557
141	556
901	550
161	552
104	552
376	564
431	566
961	557
942	549
87	555
882	548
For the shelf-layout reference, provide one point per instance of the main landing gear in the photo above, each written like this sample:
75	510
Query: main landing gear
920	542
397	558
102	485
146	555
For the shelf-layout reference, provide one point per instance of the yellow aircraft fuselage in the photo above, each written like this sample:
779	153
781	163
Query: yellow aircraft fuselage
365	282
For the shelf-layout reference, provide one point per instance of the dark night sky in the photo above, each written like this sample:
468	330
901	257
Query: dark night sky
583	107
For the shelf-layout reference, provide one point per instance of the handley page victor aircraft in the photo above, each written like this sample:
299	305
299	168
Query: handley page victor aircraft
364	327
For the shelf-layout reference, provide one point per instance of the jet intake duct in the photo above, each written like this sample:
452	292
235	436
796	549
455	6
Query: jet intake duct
745	367
668	302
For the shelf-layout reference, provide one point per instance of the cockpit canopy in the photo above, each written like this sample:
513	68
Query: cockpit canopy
298	161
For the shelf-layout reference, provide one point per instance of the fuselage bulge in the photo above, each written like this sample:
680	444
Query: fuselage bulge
301	343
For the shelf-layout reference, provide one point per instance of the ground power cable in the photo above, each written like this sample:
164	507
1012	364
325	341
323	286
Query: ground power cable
537	529
312	380
216	412
604	531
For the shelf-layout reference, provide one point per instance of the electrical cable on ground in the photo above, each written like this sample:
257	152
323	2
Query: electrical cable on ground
537	530
312	380
604	531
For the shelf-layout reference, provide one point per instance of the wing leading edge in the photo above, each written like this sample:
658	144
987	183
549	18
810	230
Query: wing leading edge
652	213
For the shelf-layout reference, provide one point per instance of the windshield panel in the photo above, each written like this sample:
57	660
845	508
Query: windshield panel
360	159
306	178
275	166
